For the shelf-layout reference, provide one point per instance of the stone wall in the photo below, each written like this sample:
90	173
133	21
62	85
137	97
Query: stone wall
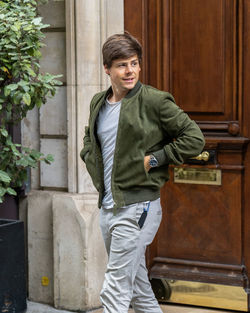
66	256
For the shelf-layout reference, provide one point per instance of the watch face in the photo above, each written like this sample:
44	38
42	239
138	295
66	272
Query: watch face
153	162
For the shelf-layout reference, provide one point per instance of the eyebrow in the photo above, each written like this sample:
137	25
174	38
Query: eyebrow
125	62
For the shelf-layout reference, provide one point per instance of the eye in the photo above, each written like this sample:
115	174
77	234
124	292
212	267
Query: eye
134	63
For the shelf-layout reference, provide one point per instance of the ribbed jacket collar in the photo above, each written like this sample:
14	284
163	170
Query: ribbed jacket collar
131	92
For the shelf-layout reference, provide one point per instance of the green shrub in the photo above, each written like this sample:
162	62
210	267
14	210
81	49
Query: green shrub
22	87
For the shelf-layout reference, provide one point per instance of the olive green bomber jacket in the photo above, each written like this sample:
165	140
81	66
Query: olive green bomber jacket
150	123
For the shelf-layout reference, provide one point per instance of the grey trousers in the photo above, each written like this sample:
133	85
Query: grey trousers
126	279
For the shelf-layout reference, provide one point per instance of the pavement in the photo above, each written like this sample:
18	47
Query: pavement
34	307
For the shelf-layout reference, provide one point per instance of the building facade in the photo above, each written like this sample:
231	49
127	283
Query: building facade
66	257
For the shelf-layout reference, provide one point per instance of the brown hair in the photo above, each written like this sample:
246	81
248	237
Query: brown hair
120	46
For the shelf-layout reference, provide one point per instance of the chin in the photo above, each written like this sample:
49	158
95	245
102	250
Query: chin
130	86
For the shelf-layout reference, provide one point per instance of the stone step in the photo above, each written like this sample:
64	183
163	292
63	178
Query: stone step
180	309
34	307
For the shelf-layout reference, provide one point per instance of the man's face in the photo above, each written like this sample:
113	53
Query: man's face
124	74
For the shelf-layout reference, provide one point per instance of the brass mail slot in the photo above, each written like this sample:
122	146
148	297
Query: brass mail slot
203	176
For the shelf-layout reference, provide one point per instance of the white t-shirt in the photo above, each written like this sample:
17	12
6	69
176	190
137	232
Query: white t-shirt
107	125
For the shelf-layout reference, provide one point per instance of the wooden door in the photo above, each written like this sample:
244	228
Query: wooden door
200	52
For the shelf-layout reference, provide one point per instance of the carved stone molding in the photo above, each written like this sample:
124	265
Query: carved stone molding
88	24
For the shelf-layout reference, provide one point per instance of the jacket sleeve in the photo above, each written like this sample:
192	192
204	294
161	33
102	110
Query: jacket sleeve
86	144
187	138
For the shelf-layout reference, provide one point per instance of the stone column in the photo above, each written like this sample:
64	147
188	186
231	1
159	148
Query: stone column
88	24
68	270
79	254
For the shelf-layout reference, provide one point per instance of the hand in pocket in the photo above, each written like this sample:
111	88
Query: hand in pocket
146	163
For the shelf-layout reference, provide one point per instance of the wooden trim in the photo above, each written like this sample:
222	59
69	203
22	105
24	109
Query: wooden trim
159	43
240	53
200	264
234	32
221	142
228	274
136	22
144	40
245	5
165	46
228	167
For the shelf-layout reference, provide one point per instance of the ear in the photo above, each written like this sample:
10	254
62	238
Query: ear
106	69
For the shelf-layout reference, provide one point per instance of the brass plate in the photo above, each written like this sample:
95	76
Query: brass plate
203	176
208	295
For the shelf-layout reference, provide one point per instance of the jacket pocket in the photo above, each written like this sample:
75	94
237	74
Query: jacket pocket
86	156
90	162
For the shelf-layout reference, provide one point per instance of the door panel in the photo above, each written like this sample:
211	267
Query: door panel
199	51
203	28
245	5
197	60
203	222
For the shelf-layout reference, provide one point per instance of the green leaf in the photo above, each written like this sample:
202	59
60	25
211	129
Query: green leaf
2	192
22	83
14	150
27	28
26	149
9	106
4	177
6	91
37	54
4	132
11	191
35	154
14	28
49	158
31	72
17	97
13	39
39	102
12	87
27	99
22	162
10	47
37	20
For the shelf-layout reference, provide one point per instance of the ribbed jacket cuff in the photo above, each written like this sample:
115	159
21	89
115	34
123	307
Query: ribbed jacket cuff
161	157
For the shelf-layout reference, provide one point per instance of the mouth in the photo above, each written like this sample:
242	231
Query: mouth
129	80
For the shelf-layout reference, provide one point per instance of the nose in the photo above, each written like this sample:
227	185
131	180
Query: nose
129	68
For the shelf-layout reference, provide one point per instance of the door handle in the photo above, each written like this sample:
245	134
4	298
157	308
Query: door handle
204	156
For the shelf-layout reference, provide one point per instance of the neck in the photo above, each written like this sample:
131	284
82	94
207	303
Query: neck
117	95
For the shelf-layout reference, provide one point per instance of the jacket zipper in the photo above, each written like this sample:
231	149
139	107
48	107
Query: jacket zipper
99	162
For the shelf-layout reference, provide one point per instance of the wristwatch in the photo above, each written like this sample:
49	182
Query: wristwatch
153	161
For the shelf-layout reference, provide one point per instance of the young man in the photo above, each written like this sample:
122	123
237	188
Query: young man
135	131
